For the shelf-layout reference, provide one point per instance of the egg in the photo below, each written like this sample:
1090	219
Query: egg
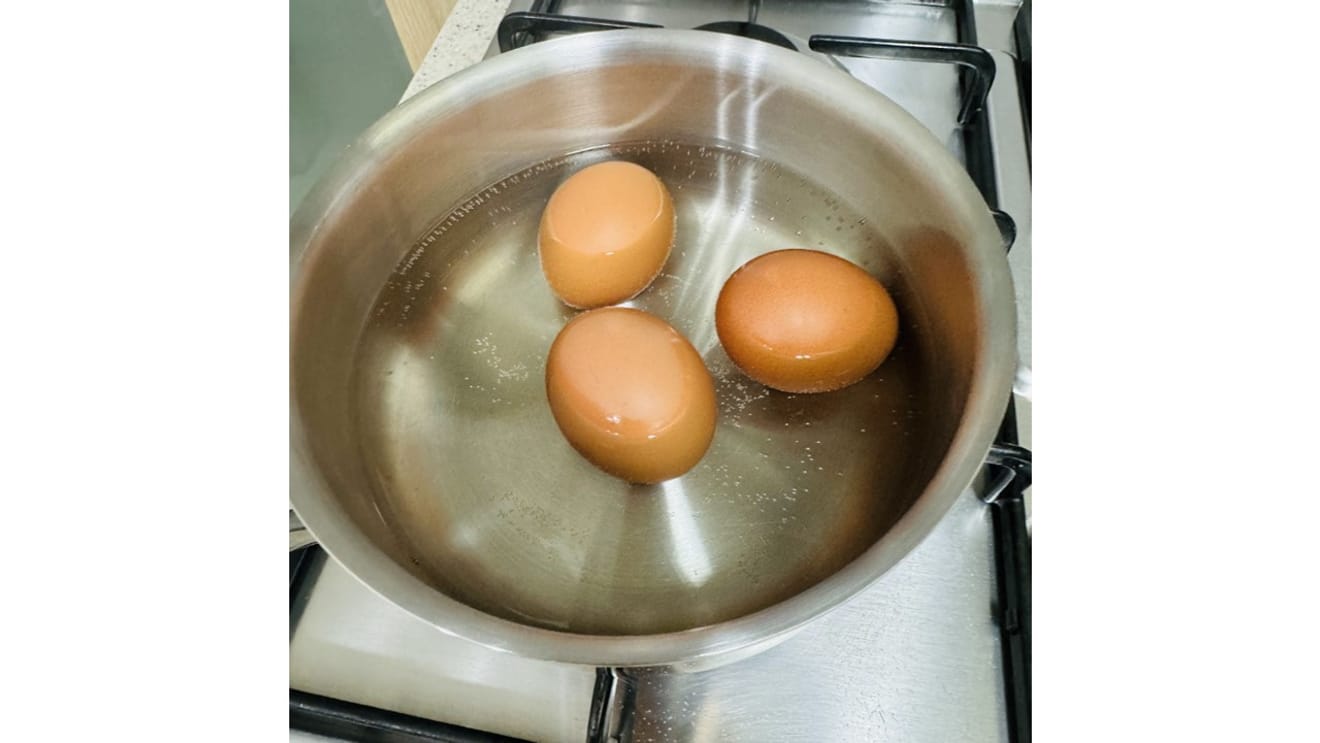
605	234
805	321
630	394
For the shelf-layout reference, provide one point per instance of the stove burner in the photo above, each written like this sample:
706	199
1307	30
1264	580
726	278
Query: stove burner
751	31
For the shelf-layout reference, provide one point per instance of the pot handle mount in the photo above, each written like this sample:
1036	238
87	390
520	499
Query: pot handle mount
299	537
1013	463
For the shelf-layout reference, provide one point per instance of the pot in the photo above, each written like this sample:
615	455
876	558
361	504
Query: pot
424	456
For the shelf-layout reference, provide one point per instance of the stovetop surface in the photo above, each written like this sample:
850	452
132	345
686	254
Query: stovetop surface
916	657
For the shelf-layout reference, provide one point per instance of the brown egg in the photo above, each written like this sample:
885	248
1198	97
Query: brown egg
630	394
805	321
605	234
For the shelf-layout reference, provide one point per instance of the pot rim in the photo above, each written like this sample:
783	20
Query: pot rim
988	396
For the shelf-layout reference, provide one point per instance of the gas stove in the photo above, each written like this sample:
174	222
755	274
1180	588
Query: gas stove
936	650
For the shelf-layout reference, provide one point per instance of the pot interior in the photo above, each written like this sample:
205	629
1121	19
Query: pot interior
422	323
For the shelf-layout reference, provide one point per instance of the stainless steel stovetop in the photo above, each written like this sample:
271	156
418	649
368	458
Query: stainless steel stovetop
916	657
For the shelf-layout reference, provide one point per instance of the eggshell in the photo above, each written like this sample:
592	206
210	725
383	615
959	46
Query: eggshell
605	234
630	394
805	321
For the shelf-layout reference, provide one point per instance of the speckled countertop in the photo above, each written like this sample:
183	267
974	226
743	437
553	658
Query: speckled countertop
461	43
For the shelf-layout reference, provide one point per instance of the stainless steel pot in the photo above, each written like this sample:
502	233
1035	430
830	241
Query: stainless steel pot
424	457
